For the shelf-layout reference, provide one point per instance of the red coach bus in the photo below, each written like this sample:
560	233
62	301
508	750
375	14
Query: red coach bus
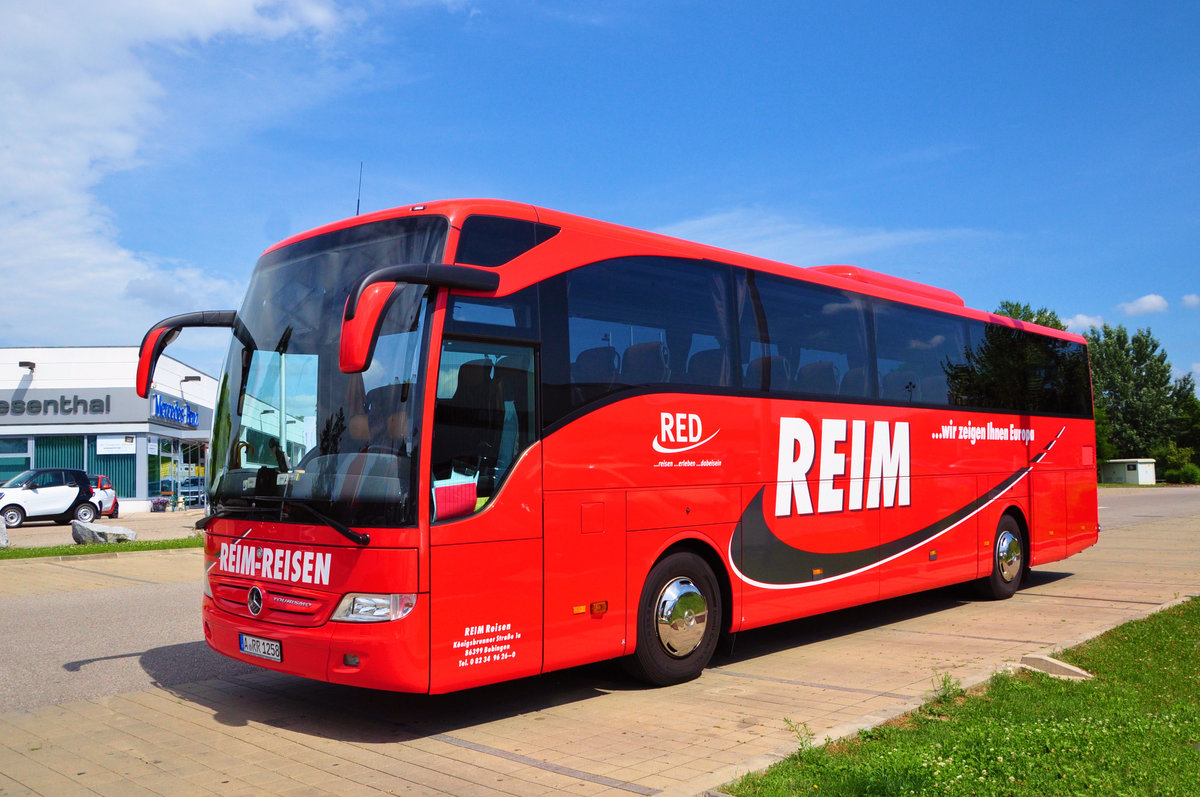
468	441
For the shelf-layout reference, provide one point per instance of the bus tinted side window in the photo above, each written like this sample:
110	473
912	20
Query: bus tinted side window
803	338
1016	371
1066	383
916	350
643	321
495	240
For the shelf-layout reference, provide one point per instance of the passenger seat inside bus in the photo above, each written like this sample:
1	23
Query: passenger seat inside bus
820	378
510	402
593	374
388	420
646	364
768	373
710	367
462	424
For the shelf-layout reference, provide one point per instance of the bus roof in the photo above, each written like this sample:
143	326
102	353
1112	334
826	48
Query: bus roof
604	240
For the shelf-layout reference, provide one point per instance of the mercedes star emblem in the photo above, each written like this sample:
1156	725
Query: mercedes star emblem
254	602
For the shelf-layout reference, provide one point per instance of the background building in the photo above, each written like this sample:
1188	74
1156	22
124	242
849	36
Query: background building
78	408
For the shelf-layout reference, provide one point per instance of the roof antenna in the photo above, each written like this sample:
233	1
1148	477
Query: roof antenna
358	202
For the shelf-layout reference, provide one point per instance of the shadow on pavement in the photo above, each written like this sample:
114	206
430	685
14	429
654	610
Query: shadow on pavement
247	694
1039	578
796	633
239	694
174	664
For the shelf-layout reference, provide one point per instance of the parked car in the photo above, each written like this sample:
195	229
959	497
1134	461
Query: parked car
57	494
191	490
104	496
163	487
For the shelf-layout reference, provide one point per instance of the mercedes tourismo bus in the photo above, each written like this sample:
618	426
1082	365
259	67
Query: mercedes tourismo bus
467	441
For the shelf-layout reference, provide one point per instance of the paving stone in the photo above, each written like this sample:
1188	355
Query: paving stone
582	731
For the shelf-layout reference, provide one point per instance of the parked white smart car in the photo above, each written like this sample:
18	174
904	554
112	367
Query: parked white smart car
58	494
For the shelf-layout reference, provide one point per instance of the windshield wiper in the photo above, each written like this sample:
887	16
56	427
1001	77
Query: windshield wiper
237	510
224	511
338	526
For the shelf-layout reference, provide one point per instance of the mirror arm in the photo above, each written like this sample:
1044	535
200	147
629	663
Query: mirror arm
371	293
465	278
165	331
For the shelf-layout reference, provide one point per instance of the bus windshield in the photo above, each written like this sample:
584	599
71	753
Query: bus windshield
289	424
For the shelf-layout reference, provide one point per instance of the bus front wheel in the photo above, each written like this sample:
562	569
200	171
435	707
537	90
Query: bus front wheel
1008	561
679	620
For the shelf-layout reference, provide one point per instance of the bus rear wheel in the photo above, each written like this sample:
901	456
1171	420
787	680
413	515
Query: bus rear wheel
1008	561
679	620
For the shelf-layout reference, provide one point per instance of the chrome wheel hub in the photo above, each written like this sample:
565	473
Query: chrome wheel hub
1008	556
680	617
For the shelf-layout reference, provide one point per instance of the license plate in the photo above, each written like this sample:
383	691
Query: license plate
263	648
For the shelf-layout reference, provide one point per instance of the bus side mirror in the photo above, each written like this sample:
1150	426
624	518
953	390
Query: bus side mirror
166	331
360	326
370	294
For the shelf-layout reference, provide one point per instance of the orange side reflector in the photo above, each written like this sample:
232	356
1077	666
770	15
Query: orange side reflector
578	610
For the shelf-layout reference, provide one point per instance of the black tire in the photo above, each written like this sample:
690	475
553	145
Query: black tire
683	586
86	512
116	508
13	516
1009	561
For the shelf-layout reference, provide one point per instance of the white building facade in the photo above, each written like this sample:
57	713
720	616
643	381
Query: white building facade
77	407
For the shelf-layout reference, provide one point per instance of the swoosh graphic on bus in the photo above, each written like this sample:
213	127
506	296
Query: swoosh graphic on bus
771	563
660	448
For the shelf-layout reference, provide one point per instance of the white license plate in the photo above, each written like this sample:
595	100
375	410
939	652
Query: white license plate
263	648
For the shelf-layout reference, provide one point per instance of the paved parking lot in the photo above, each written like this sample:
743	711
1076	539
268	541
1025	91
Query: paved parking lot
583	731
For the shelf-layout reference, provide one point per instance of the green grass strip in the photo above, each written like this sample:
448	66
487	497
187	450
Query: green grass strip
109	547
1132	730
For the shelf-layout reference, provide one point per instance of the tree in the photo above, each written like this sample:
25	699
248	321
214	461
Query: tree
1024	312
1187	413
1131	379
1105	450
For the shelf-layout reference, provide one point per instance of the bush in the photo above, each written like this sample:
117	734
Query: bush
1172	457
1188	474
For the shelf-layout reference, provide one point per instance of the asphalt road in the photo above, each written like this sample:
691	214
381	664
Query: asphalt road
111	641
1126	506
103	642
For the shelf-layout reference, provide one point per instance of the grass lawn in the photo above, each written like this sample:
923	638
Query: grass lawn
111	547
1133	729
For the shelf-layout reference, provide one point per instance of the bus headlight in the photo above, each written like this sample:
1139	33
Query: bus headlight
208	586
358	607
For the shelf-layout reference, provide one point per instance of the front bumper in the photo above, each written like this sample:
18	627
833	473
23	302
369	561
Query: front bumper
390	655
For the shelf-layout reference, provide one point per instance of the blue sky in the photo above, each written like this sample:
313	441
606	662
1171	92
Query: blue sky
1039	152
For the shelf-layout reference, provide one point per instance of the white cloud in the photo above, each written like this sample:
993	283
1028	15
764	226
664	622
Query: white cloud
1150	303
772	236
1191	300
80	103
1082	323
